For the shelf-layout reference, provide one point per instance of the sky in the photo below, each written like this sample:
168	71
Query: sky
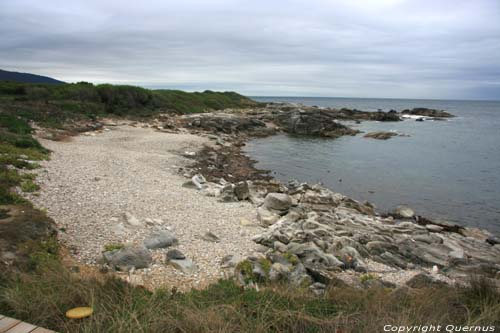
443	49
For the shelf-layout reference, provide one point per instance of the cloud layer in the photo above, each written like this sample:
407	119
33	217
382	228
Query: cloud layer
356	48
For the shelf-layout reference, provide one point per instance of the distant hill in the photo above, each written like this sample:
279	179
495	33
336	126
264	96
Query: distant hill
27	78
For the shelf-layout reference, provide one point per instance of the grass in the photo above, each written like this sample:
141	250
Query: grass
29	185
44	295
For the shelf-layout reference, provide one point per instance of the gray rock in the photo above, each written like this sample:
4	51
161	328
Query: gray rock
128	257
242	191
227	194
476	233
434	228
210	237
317	288
160	239
299	276
266	217
133	221
230	261
423	280
198	180
184	265
279	272
175	254
279	202
403	212
493	240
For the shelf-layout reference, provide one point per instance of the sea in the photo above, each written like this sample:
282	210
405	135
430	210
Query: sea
448	170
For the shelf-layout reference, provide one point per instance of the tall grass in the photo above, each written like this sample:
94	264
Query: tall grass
42	297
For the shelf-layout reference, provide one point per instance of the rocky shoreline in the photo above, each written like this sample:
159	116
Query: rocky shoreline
304	234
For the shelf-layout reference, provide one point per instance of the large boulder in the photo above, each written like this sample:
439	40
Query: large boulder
160	239
242	191
278	202
128	257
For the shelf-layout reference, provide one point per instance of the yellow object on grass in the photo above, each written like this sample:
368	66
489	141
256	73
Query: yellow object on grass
78	313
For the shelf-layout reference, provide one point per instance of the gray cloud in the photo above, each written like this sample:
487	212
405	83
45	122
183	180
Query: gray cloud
359	48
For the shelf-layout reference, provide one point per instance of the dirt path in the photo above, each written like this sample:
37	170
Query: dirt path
92	181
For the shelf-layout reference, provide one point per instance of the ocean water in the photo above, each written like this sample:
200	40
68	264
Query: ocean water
444	169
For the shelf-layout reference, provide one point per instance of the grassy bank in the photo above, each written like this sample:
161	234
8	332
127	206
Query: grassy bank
43	296
54	105
36	286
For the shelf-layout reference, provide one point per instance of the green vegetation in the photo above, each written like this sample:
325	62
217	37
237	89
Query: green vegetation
45	294
112	247
29	185
17	149
55	105
367	277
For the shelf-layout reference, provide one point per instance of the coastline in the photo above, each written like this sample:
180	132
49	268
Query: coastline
235	171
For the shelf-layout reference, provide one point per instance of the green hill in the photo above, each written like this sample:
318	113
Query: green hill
27	78
53	105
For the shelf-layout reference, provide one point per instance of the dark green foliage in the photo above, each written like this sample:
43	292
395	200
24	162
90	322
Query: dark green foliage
55	105
17	149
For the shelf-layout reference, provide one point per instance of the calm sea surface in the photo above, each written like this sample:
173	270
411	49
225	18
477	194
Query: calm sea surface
445	169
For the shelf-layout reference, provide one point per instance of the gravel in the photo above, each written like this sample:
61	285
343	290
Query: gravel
94	185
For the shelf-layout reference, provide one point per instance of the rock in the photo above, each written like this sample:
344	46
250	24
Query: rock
279	272
242	190
433	113
266	217
317	288
403	212
227	193
299	276
184	265
423	280
223	122
210	237
476	233
133	221
230	261
128	257
198	180
493	240
160	239
312	122
380	135
175	254
434	228
189	154
278	202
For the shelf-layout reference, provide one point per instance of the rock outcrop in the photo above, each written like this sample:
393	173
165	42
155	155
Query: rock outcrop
380	135
313	122
432	113
318	232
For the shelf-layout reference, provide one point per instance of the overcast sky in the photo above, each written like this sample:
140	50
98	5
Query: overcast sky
352	48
